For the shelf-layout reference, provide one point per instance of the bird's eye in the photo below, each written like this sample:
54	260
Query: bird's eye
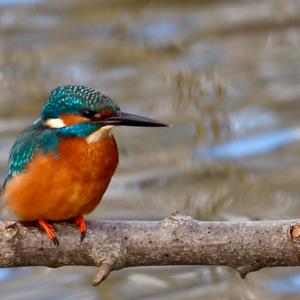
87	113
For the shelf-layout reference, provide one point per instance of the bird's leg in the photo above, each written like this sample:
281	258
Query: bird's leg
80	222
48	228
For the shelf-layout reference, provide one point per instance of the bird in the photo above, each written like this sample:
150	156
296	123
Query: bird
61	165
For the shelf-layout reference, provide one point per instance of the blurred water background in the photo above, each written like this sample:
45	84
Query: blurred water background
226	74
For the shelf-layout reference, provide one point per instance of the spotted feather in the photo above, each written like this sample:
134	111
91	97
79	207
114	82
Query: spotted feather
34	138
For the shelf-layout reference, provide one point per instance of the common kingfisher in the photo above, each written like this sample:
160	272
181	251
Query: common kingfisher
61	165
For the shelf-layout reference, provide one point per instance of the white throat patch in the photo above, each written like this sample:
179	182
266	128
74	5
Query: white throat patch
55	123
99	134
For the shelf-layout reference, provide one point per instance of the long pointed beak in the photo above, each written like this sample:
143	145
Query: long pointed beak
127	119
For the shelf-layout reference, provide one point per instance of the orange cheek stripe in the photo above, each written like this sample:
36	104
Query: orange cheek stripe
70	119
106	113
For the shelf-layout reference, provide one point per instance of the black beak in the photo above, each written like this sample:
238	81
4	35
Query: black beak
127	119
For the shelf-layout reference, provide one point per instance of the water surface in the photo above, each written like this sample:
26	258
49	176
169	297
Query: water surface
225	74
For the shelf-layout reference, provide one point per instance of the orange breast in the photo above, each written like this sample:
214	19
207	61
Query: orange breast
62	187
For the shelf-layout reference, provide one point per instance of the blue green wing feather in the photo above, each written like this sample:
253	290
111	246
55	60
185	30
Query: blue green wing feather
34	138
39	138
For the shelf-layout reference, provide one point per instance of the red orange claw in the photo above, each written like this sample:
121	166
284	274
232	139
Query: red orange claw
48	228
80	222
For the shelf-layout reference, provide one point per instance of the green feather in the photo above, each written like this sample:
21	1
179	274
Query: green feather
80	130
39	138
73	99
34	138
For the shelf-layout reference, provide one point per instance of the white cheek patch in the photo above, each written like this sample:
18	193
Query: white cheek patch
99	134
55	123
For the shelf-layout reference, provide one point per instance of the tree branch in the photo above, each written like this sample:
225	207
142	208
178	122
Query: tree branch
176	240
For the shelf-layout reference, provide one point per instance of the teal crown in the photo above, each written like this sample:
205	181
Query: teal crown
75	99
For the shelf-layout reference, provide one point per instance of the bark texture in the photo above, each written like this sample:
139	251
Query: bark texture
176	240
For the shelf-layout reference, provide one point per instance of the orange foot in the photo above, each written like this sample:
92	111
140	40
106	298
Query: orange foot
80	222
48	228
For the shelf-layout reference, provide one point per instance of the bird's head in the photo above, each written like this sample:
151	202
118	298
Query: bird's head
74	107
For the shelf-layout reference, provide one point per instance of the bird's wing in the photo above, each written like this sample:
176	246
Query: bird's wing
34	138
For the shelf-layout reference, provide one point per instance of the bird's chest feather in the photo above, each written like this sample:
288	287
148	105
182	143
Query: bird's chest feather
63	186
87	161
